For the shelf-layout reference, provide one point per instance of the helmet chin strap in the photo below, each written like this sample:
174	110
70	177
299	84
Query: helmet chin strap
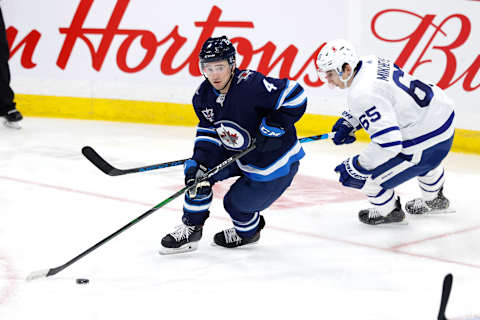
352	75
345	81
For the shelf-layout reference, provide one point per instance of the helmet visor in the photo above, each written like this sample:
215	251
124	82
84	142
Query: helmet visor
210	68
327	77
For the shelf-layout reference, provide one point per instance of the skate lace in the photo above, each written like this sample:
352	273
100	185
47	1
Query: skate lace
231	236
373	213
182	232
418	204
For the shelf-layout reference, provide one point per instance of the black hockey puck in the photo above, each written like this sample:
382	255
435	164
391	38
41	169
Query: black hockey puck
82	281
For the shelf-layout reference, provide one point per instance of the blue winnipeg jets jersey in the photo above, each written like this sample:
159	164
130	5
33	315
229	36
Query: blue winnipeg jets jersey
228	123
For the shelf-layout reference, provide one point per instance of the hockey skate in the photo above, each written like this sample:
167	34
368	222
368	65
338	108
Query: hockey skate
372	215
12	118
438	205
230	239
183	239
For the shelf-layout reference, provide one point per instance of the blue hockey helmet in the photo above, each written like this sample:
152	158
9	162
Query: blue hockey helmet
215	49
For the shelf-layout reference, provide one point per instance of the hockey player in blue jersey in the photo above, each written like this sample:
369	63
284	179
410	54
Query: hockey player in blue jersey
236	108
411	128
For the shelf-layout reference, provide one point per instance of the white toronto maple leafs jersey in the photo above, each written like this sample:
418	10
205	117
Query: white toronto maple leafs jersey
399	112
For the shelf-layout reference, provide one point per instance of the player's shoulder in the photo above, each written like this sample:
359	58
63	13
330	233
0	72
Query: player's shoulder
201	92
366	71
247	78
202	88
255	82
372	78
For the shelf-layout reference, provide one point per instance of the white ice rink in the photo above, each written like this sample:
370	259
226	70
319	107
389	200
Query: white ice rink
315	260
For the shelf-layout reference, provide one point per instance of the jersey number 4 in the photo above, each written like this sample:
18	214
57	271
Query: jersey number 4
419	91
269	86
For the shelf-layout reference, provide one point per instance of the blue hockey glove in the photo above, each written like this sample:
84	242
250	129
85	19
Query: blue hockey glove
269	136
343	132
352	174
193	171
345	128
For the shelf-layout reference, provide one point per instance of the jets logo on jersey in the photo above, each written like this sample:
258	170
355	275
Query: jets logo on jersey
232	135
226	135
208	114
244	75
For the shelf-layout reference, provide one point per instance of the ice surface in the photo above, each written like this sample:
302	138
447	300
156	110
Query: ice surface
315	259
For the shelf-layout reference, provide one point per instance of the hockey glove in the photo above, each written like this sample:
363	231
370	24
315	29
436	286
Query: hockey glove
344	129
269	136
193	172
352	174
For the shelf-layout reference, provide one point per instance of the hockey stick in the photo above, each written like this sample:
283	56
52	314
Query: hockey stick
447	287
50	272
317	137
107	168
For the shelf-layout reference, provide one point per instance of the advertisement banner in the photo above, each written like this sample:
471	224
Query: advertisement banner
147	50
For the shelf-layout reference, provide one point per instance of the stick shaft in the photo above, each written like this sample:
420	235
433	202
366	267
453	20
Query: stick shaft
107	168
209	174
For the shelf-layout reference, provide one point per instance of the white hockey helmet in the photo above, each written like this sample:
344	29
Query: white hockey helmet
333	56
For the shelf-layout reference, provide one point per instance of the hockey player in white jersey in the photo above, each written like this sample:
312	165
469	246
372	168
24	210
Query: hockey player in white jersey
410	123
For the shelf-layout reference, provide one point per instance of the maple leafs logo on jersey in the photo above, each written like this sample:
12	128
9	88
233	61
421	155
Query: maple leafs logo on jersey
208	114
227	136
244	75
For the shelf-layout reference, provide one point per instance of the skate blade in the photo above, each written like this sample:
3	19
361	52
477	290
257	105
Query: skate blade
213	244
404	222
443	211
188	247
13	125
434	212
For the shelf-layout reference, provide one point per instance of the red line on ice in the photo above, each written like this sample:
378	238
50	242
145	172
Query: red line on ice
394	249
8	290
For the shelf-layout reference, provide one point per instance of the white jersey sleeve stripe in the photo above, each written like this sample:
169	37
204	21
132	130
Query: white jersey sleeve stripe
290	106
201	129
282	96
291	85
288	99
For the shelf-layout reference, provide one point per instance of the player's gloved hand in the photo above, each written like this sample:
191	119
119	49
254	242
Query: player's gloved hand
269	136
352	174
345	128
344	132
193	172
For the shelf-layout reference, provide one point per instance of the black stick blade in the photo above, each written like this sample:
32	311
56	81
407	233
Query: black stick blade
98	161
447	287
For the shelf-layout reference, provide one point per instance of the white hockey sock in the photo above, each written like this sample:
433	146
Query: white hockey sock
384	201
431	183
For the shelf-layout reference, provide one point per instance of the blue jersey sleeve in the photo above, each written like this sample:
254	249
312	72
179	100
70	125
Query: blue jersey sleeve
285	99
